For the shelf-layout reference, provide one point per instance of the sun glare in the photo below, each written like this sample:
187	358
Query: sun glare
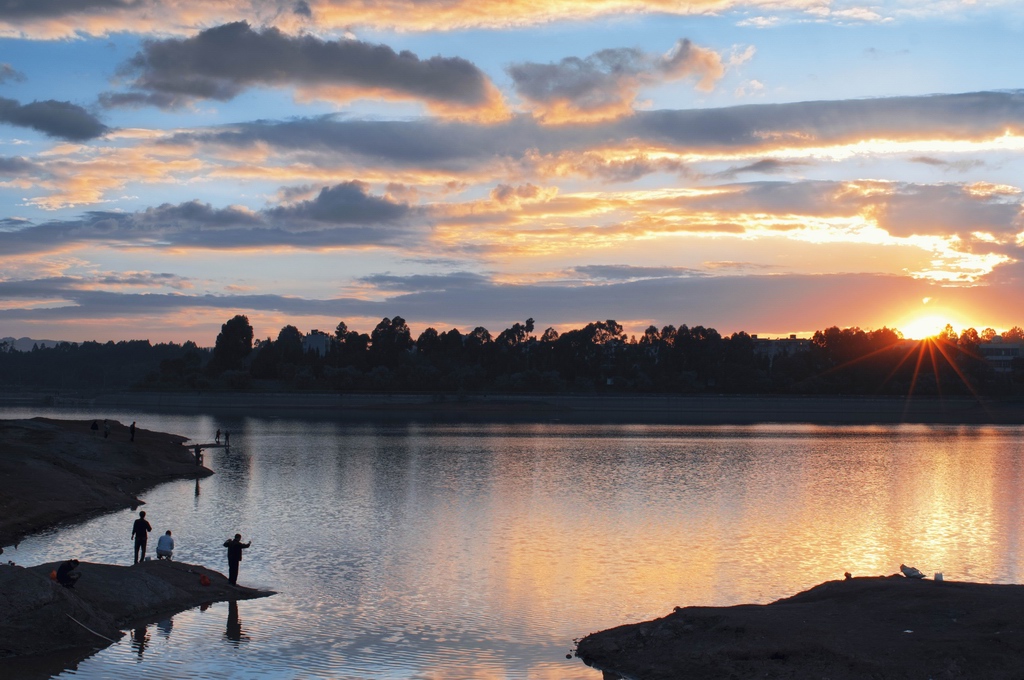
924	327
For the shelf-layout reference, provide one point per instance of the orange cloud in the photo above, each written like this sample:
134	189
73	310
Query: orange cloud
68	20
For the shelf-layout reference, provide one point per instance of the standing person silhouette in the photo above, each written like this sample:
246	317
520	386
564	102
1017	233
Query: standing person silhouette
235	547
140	532
132	431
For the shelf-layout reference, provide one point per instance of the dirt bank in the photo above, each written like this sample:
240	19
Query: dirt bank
41	620
54	471
883	628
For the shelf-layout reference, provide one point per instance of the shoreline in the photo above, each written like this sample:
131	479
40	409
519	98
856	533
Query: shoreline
56	471
53	472
702	409
45	628
868	627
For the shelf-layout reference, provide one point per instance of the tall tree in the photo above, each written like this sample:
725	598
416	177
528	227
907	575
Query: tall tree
234	343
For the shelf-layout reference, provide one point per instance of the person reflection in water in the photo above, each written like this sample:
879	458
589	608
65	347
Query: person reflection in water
234	629
140	638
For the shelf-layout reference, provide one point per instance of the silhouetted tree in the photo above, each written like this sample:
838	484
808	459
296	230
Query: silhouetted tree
233	345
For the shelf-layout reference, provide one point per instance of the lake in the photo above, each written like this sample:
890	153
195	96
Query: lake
453	551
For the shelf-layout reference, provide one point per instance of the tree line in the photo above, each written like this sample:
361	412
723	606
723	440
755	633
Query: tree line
599	357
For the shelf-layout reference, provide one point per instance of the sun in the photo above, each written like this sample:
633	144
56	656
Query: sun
923	327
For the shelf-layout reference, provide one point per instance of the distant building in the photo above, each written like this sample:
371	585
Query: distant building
1000	354
317	341
780	347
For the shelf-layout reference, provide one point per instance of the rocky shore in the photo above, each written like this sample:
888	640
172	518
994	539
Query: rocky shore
883	628
42	622
54	472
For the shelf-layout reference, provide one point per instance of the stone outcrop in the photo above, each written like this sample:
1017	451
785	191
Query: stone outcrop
881	628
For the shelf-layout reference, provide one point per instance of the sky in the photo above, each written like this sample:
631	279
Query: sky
770	166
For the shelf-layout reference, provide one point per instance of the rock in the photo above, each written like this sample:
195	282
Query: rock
54	471
40	616
843	630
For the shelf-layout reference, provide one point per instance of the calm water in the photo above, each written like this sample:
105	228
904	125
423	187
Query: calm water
444	552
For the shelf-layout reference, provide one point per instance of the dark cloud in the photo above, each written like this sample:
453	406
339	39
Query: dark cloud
88	303
768	166
344	215
626	272
425	282
948	209
11	223
9	74
141	279
15	165
221	62
610	78
954	166
751	128
45	9
54	119
302	9
591	82
963	116
134	100
348	203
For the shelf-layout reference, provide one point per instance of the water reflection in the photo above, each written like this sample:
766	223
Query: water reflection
234	631
452	551
140	638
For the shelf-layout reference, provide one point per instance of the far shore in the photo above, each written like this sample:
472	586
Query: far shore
690	409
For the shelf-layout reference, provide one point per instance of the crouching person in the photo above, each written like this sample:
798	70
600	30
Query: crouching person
66	574
165	546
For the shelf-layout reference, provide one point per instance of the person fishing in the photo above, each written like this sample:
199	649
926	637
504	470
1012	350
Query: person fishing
235	547
140	532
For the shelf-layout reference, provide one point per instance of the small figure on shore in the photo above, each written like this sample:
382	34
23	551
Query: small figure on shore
199	455
235	547
165	546
106	428
131	430
217	438
95	427
227	438
140	532
66	574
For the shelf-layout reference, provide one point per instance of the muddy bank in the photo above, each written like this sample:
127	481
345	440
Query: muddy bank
882	628
54	471
45	627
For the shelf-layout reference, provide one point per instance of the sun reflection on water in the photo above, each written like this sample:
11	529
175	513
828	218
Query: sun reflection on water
481	551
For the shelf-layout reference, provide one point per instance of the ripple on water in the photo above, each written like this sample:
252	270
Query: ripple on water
445	552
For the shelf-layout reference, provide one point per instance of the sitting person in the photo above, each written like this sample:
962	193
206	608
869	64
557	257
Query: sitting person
165	546
66	575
